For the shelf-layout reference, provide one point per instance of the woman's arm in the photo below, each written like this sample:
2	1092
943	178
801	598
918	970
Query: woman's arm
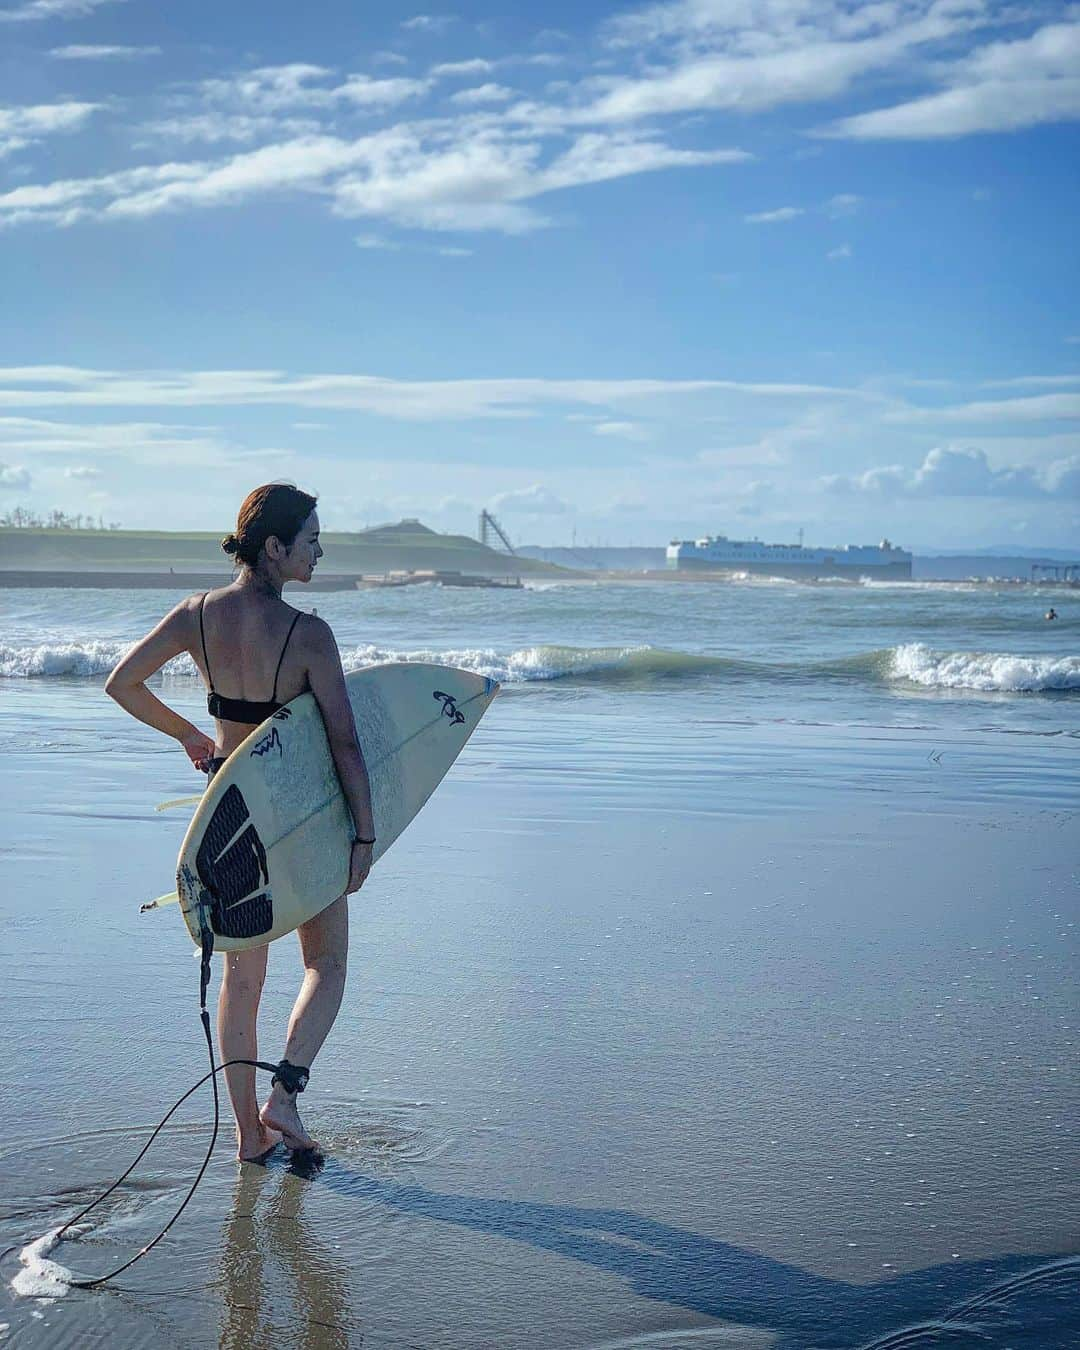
127	683
327	680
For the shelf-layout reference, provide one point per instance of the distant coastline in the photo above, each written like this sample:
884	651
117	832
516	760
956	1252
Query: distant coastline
164	560
13	578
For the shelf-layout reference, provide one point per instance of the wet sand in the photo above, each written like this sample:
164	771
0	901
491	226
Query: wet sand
781	1059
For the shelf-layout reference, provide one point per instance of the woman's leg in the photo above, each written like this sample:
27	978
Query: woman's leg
238	1007
324	945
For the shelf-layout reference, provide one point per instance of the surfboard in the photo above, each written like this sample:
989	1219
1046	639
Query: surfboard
268	846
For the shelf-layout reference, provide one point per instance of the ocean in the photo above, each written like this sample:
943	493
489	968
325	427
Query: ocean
723	995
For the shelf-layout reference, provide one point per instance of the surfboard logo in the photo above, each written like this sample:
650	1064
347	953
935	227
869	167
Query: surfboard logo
266	743
450	707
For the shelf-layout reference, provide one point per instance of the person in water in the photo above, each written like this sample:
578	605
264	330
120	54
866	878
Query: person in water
1051	613
246	640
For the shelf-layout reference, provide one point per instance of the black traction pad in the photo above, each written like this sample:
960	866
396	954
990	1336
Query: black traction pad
231	871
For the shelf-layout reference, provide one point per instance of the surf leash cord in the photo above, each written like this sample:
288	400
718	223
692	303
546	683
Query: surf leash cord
292	1078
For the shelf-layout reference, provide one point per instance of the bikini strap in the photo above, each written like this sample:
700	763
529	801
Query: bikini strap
288	635
202	635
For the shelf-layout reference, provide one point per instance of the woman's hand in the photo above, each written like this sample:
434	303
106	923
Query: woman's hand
198	747
359	866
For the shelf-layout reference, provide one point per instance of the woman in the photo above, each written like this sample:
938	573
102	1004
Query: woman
245	640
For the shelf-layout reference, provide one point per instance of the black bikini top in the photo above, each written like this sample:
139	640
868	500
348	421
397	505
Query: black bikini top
240	709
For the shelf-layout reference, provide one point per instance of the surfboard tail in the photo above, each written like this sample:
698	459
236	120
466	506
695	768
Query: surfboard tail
170	898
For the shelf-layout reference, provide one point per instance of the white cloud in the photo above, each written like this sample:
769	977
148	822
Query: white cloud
77	52
1038	408
750	55
143	442
841	251
531	501
963	472
82	471
1034	382
452	252
1003	86
32	10
273	89
483	93
843	204
220	126
14	476
596	156
625	431
376	241
429	23
836	208
477	65
21	126
411	400
774	217
437	175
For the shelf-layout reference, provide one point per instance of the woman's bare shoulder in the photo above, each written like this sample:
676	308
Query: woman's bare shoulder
317	636
184	611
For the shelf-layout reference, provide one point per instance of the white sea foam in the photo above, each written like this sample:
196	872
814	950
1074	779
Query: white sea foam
523	666
877	584
40	1277
914	663
77	659
987	671
760	579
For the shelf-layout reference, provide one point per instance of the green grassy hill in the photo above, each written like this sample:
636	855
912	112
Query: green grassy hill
407	546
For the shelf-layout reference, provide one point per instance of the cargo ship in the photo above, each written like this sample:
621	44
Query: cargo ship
718	553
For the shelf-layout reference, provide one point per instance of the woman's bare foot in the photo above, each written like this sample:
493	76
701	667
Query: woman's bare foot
280	1114
254	1145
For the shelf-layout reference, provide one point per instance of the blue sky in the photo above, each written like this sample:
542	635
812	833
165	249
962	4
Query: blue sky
638	272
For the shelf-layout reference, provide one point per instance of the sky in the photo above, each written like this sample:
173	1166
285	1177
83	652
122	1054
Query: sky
619	273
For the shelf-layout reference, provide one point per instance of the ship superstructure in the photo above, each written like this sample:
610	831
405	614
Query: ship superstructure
719	553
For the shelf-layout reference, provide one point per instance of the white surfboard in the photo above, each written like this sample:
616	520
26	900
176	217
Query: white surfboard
268	847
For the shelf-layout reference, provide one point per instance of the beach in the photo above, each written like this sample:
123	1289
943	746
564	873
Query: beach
723	995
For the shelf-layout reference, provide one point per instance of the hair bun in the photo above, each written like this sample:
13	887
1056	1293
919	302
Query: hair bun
231	544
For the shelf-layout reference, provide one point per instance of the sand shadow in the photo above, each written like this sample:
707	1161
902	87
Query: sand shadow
1015	1297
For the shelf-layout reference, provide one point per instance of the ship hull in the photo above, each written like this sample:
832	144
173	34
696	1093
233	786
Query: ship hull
892	571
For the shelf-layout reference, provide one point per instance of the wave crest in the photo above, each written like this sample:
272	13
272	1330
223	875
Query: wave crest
912	663
73	659
545	662
999	672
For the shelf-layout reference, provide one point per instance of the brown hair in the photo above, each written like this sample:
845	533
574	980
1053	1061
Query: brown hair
277	509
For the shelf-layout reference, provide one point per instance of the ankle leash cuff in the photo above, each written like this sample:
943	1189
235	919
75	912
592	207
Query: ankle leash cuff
292	1077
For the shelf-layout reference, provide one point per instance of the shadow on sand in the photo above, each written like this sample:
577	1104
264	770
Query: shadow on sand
1014	1301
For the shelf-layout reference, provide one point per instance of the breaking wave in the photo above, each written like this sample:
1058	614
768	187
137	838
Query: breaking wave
528	665
912	663
71	659
999	672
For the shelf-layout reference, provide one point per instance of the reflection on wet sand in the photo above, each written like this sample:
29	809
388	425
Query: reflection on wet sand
282	1284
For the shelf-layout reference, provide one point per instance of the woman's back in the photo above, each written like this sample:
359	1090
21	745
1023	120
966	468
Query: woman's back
250	652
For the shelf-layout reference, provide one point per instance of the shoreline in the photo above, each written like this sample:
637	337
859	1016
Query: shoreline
43	578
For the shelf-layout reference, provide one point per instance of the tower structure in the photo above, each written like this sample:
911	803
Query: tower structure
491	529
